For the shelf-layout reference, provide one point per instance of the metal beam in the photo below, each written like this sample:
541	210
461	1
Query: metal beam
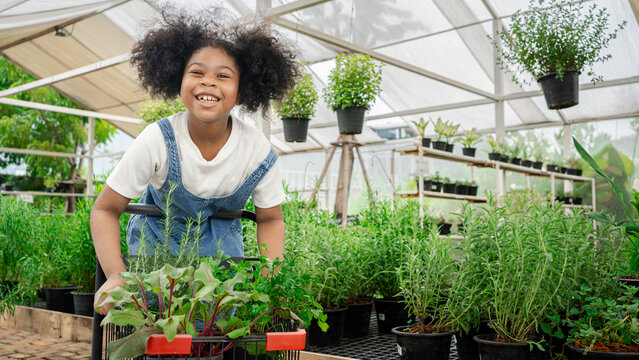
335	41
601	84
634	4
66	75
432	108
41	152
70	111
291	7
11	4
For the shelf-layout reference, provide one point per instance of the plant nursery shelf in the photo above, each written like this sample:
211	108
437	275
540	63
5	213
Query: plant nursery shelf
441	195
44	193
570	206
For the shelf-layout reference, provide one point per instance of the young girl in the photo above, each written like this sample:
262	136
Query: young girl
216	161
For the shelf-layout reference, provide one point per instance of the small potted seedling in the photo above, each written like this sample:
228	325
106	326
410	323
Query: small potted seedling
451	130
462	188
472	188
448	185
468	141
421	126
441	131
495	148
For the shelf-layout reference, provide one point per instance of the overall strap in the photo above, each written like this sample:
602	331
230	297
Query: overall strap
174	173
254	179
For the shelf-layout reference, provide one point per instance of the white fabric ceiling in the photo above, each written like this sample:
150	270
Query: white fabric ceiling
440	58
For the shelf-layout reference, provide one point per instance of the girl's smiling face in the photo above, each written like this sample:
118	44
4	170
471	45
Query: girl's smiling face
210	85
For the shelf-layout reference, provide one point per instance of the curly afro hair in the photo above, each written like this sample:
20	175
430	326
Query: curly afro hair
266	63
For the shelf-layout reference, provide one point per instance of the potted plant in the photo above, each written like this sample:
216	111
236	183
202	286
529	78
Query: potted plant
424	275
441	129
472	188
437	182
515	152
421	129
462	188
353	84
495	148
451	130
539	154
82	259
448	186
574	166
554	41
468	141
525	153
297	109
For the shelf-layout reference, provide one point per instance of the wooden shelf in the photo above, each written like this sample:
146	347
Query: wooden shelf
571	206
441	195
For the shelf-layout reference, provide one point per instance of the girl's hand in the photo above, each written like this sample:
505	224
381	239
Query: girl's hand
101	295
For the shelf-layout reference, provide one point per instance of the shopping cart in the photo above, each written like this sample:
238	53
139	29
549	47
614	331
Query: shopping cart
271	345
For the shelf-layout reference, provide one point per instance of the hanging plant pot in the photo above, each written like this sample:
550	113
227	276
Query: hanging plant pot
390	314
295	128
415	346
578	354
494	156
426	142
494	350
469	151
537	165
526	163
450	147
350	119
439	145
60	299
560	93
358	318
333	336
83	303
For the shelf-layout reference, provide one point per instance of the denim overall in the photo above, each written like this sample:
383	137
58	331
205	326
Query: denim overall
227	233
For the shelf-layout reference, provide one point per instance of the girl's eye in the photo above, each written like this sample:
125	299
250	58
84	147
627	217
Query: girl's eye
223	76
197	72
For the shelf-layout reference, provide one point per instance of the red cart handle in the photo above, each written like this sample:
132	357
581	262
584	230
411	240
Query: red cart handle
159	345
286	340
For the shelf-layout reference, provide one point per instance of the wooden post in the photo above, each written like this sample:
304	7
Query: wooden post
344	180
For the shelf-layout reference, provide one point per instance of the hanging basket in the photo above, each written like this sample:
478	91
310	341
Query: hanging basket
560	94
295	128
350	119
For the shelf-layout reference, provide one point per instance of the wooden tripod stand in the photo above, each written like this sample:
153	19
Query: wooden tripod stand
347	143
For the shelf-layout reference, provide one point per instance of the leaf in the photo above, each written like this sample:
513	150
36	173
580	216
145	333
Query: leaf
243	331
559	334
124	317
546	328
131	346
170	325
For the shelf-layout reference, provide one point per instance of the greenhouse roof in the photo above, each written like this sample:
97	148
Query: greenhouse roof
439	60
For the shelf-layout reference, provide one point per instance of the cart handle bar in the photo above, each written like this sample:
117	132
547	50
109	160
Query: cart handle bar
275	341
153	210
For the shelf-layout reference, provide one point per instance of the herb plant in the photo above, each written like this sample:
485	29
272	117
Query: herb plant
495	145
441	128
556	36
300	101
421	126
470	138
354	81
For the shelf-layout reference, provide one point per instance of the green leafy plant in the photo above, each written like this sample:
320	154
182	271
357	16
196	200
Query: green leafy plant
300	101
555	36
470	138
450	131
421	126
494	143
441	128
424	275
354	81
83	258
152	111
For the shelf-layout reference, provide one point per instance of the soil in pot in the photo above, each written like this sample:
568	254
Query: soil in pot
449	188
390	314
526	163
495	350
426	142
295	129
537	164
467	348
469	151
601	351
439	145
494	156
450	147
83	303
560	93
350	120
358	318
335	319
444	228
60	299
412	346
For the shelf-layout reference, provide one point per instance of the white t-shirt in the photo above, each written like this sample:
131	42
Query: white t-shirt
146	162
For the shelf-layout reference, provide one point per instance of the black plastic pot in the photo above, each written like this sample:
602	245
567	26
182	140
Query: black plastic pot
469	151
560	93
631	282
444	228
537	164
563	169
390	314
575	353
461	189
576	172
472	190
437	186
358	318
83	303
422	346
450	147
449	188
295	129
426	142
504	158
515	161
333	336
552	168
428	185
577	200
60	299
493	350
350	120
439	145
467	348
494	156
526	163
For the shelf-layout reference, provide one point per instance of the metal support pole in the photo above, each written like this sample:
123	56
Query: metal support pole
594	194
91	138
552	188
499	108
568	185
392	167
420	182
